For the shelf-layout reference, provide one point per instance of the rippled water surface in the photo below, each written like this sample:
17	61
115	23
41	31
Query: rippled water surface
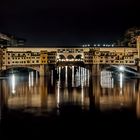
72	86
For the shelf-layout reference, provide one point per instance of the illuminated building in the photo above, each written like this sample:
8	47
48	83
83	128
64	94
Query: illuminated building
37	56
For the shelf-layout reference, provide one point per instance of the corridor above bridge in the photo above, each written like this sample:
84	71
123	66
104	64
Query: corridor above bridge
37	56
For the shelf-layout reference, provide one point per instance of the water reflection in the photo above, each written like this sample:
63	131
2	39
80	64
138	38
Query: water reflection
13	83
71	85
107	80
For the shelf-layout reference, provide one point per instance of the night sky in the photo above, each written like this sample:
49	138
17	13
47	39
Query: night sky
68	22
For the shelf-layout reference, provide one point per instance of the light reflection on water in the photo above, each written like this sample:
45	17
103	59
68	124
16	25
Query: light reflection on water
74	86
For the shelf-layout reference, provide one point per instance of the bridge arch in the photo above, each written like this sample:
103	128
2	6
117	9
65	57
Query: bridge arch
79	56
62	57
126	69
36	68
70	57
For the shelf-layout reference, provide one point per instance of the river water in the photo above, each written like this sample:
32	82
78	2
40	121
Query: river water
73	86
67	90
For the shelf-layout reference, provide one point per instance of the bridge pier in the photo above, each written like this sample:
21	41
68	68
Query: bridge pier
138	69
96	70
44	70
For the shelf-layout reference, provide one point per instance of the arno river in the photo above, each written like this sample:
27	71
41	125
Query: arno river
73	86
66	91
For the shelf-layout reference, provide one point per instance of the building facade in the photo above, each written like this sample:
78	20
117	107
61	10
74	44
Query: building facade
89	56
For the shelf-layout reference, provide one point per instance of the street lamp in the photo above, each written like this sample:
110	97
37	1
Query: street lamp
121	68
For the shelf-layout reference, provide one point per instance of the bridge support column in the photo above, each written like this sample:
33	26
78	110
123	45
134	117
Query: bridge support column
42	70
138	69
47	70
96	69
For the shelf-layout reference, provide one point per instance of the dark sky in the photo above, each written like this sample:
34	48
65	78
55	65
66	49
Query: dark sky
68	21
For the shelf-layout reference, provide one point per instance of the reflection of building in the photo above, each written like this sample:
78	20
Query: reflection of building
115	98
138	105
106	79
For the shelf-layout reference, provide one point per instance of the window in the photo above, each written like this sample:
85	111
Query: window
8	62
37	61
8	57
32	61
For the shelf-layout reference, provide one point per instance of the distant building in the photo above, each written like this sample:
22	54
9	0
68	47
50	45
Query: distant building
8	40
130	37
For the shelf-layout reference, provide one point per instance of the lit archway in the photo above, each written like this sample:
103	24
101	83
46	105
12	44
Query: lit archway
78	56
62	57
70	57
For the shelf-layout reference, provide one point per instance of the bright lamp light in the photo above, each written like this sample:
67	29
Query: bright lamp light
121	68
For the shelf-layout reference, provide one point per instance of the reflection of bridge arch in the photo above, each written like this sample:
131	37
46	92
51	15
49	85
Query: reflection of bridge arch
70	57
